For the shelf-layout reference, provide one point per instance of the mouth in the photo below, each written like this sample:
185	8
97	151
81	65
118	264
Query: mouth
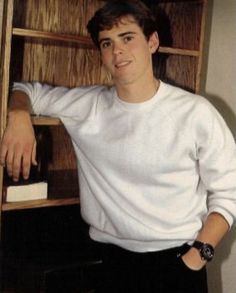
122	64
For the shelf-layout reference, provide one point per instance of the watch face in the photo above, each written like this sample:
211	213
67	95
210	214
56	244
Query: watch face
207	252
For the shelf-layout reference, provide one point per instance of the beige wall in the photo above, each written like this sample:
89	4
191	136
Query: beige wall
219	86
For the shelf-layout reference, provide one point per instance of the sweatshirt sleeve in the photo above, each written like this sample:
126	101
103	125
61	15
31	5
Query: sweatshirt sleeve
60	102
216	153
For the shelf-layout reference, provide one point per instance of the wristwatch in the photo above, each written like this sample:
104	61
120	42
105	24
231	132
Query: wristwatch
206	250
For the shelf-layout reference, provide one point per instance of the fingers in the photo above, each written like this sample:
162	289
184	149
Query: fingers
3	153
33	157
7	157
17	159
18	146
28	158
25	160
14	164
9	161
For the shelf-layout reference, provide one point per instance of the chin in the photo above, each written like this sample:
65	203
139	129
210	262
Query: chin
123	80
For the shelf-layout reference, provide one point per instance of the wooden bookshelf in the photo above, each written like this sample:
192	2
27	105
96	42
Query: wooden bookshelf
52	46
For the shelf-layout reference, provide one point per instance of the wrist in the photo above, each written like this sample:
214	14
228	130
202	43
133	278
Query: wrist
193	259
18	113
205	250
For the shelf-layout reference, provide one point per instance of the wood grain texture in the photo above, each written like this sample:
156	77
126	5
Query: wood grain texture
68	17
181	30
181	71
42	203
184	23
83	41
63	157
62	64
1	23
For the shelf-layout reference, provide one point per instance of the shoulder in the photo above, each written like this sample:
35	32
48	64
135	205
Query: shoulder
190	112
178	101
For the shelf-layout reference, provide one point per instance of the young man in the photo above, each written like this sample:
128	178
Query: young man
157	165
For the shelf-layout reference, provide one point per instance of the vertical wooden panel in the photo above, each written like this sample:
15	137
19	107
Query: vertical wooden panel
6	53
1	23
5	65
201	42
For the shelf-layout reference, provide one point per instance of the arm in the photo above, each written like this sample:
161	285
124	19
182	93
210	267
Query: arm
217	170
18	145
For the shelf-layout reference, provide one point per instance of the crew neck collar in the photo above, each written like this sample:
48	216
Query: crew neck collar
142	105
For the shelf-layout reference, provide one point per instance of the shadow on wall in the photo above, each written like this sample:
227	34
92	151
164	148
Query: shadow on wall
216	277
225	110
223	252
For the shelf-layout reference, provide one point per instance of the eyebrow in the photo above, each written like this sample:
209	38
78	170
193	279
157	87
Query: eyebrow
119	35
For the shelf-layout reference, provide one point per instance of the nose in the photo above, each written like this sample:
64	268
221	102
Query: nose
117	48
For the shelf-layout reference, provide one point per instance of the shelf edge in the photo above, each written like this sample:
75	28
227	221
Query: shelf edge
83	40
32	204
178	51
43	120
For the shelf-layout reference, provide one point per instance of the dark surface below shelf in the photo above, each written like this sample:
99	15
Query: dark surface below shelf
47	248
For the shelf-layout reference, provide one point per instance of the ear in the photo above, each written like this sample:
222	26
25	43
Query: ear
153	42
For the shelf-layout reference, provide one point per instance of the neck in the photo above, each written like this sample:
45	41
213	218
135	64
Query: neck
137	94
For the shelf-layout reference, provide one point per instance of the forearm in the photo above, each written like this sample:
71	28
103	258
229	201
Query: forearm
19	101
18	145
214	229
19	108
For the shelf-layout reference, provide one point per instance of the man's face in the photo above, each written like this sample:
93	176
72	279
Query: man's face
126	53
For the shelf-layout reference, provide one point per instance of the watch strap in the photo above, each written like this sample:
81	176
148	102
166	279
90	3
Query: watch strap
197	244
206	250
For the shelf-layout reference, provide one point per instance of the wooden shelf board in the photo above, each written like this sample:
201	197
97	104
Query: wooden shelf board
177	51
43	120
32	204
174	1
84	40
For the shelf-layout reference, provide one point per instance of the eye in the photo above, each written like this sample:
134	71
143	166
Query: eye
105	44
127	39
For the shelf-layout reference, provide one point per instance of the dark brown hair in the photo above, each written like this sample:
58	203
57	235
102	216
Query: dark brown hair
111	13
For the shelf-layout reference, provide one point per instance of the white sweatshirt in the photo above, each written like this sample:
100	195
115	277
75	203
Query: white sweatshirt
146	170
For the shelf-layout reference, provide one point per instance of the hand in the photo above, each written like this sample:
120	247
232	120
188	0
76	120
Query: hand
18	146
193	260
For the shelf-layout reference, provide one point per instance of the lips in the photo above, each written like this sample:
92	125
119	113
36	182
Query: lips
122	64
